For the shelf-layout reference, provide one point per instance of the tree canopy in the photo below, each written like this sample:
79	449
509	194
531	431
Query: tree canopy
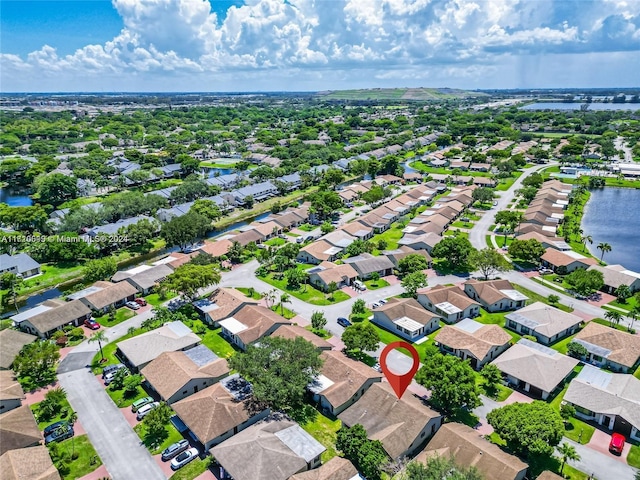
368	456
489	262
189	278
455	250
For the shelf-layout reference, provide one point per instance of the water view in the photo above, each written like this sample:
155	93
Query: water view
578	106
14	199
610	217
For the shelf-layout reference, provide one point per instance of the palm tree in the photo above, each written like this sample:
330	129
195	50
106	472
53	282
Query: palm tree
613	317
584	239
270	296
634	314
567	452
99	337
604	247
284	298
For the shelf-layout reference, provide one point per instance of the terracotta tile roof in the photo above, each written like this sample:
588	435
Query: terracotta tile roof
293	331
560	259
348	376
18	429
335	469
245	238
396	423
478	342
624	347
357	229
470	449
318	249
337	274
32	463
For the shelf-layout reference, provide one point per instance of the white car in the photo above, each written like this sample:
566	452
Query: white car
382	302
184	458
144	411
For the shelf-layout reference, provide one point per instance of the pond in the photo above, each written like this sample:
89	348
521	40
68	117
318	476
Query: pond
15	198
211	172
611	217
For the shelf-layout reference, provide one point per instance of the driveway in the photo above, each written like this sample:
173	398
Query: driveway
600	465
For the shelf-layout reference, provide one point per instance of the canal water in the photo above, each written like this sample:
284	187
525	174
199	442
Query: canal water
611	216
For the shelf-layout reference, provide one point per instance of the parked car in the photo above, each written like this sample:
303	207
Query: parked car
108	378
616	445
138	404
61	433
141	301
111	368
382	302
54	426
375	305
174	449
132	305
91	324
184	458
299	239
144	411
344	322
377	367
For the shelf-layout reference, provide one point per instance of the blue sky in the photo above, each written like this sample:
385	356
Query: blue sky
253	45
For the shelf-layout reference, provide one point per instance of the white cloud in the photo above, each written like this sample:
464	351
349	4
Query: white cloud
306	39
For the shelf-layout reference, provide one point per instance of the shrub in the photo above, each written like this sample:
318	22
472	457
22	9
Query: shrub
576	350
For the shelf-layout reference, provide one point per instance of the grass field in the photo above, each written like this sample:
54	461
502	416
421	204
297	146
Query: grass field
87	461
391	236
306	293
157	445
324	429
214	340
121	400
535	297
122	314
375	284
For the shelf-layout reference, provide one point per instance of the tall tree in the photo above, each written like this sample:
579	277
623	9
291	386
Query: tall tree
55	188
101	338
455	250
567	452
439	468
36	361
360	337
367	455
100	269
12	282
188	279
489	262
604	247
413	282
183	231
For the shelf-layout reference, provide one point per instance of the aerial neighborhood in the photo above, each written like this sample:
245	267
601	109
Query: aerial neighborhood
204	289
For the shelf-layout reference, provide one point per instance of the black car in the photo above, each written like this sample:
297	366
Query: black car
344	322
174	449
59	434
54	426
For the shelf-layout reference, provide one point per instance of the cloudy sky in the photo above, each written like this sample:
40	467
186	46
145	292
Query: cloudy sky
274	45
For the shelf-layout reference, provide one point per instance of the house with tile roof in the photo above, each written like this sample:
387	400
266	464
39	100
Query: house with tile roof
176	375
318	252
401	425
406	318
609	347
473	341
337	468
615	276
327	272
534	368
358	230
470	449
292	332
565	262
18	429
12	342
548	324
101	296
31	463
398	254
144	278
221	304
366	265
218	412
11	393
250	324
608	399
448	302
52	316
495	295
341	382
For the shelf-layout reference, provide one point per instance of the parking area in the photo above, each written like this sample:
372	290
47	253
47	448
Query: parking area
600	442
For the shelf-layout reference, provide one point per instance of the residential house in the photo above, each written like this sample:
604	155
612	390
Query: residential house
144	278
616	276
406	318
546	241
358	230
385	213
292	180
341	382
176	375
449	302
398	254
366	265
258	191
274	449
548	324
250	324
248	236
608	399
11	393
547	475
412	177
534	368
217	248
326	273
470	449
530	227
218	412
222	303
176	259
137	352
318	252
401	425
424	241
565	262
267	230
18	429
337	468
112	228
609	347
291	332
53	315
102	296
12	341
378	224
473	341
20	264
339	238
288	220
32	463
495	295
166	214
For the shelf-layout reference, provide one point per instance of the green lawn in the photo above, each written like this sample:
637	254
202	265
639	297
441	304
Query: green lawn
121	400
275	242
122	314
157	445
214	340
192	470
254	295
306	293
631	302
390	236
87	461
61	416
323	429
606	323
634	456
460	224
534	297
423	349
373	285
284	311
575	429
307	227
154	298
500	240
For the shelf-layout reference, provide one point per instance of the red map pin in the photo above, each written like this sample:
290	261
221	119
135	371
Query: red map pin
399	383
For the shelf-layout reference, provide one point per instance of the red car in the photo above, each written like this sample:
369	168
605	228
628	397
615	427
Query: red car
141	301
617	443
92	324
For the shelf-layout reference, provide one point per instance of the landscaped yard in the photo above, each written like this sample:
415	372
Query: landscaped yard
423	349
323	429
215	342
607	323
157	445
121	315
534	297
87	461
561	346
307	227
154	298
306	293
634	456
247	291
375	284
631	303
390	236
65	409
284	311
119	398
575	429
192	470
275	242
109	351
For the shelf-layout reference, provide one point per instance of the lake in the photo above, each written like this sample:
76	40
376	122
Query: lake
14	199
578	106
611	217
